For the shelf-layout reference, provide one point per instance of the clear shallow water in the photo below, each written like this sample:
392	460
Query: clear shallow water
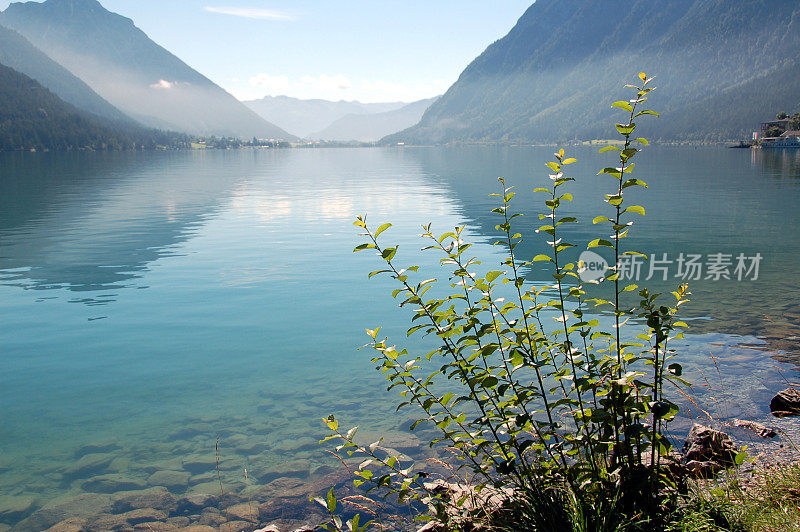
160	300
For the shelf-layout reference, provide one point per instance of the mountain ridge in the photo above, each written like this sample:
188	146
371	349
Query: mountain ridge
371	127
304	117
19	54
136	75
33	118
552	77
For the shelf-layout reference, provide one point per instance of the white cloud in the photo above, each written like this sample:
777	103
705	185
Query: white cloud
337	87
163	85
250	12
271	85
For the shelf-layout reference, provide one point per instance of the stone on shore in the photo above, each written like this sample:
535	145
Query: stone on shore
786	403
708	451
762	430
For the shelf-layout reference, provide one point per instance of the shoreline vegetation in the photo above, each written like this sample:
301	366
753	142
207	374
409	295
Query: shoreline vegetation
588	448
194	144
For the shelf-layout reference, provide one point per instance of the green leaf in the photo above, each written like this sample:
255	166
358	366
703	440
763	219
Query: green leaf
610	148
625	129
382	228
610	171
331	422
600	242
634	183
569	161
539	258
491	276
623	105
331	501
647	112
489	382
601	219
638	209
389	253
362	247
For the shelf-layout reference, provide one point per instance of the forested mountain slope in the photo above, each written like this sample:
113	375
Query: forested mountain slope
721	67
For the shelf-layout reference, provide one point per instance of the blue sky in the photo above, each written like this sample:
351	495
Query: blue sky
384	50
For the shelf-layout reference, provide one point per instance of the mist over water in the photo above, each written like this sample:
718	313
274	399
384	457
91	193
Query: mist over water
154	302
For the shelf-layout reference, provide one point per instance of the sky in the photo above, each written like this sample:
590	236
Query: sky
367	50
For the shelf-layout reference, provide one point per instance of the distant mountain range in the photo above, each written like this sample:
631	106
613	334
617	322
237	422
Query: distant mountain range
722	66
339	121
305	117
32	117
374	126
134	74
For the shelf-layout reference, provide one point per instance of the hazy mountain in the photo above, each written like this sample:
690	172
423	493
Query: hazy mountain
132	72
17	53
32	117
373	127
304	117
721	67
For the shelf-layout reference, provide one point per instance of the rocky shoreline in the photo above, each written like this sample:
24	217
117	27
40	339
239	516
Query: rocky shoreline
184	492
115	503
193	493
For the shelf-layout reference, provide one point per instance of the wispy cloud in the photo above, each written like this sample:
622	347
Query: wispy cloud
163	85
250	12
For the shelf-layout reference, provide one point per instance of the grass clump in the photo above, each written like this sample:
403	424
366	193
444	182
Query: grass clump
766	501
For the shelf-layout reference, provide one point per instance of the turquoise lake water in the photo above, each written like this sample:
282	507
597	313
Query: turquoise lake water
154	302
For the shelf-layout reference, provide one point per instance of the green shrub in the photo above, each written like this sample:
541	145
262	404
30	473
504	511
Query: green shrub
560	417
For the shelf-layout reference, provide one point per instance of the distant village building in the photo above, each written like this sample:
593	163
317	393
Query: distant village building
782	123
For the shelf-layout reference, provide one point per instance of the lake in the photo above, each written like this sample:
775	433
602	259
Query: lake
153	304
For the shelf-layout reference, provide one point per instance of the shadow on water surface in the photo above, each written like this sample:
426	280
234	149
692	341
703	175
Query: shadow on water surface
91	224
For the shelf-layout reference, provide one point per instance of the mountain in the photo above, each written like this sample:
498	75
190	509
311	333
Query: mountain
373	127
32	117
304	117
17	53
721	68
133	73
